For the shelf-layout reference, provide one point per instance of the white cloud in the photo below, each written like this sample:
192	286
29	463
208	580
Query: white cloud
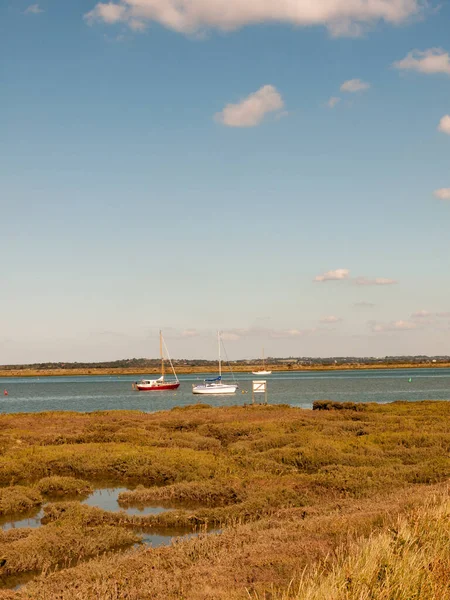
33	9
346	29
404	325
434	60
336	275
354	85
424	314
230	336
108	13
376	281
341	17
289	333
330	319
251	110
108	333
189	333
344	274
443	194
394	326
444	124
282	115
236	334
333	101
137	25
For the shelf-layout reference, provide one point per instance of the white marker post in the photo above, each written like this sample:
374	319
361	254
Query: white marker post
259	387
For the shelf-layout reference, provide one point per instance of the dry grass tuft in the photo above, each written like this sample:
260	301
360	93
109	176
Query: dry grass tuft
330	405
408	560
64	486
12	535
60	545
193	493
18	499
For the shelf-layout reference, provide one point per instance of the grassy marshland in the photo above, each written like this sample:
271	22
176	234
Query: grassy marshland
303	498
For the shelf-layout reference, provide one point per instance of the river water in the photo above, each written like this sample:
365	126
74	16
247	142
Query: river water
93	393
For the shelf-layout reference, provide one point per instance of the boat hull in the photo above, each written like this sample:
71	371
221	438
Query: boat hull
158	387
261	372
215	389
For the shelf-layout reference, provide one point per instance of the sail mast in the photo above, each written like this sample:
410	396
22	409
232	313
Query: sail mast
161	353
264	364
220	361
170	360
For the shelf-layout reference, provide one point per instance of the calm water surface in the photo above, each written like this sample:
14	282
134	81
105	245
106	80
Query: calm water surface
106	498
298	389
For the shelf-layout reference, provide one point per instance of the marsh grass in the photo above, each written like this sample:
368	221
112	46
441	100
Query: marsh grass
408	560
18	499
287	487
60	545
192	493
12	535
330	405
254	560
64	486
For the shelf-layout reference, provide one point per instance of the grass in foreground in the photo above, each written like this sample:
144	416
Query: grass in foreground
408	560
257	560
288	487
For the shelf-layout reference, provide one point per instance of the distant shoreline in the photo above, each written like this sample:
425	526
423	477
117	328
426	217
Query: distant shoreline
211	369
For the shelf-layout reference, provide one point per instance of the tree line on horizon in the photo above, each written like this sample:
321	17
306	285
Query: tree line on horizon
131	363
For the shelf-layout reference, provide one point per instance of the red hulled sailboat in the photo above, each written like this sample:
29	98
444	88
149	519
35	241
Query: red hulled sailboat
161	384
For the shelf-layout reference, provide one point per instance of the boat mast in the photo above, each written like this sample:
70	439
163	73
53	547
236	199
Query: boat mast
170	360
220	361
161	353
264	364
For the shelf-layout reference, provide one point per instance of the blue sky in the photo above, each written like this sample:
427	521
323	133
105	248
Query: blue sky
193	170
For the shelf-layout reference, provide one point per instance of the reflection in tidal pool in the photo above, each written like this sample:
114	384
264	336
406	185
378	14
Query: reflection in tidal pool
106	499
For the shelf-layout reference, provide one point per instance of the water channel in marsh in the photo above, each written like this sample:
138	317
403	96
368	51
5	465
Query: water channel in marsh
105	498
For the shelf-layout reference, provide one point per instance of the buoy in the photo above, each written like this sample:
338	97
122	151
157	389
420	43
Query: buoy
5	393
410	380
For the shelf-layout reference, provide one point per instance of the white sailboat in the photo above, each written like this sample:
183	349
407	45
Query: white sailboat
262	371
216	385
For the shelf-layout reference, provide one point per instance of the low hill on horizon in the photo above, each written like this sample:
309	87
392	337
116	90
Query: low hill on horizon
138	363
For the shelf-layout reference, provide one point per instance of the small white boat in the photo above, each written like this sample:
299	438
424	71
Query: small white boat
263	370
215	386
